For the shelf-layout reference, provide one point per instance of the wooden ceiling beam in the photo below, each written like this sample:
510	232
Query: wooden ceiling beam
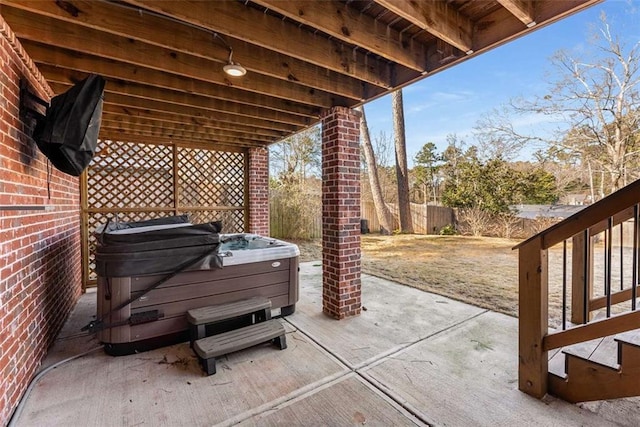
209	125
148	28
150	93
490	35
110	134
155	106
354	27
436	17
243	22
150	125
125	73
111	128
219	120
29	26
521	9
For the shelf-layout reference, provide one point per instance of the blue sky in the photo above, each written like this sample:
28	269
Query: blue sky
451	101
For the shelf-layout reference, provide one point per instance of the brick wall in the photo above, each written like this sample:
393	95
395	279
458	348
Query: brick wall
341	213
258	170
40	277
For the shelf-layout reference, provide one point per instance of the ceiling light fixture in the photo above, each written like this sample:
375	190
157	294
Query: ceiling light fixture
233	69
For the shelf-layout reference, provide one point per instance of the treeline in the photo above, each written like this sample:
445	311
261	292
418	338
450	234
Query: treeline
594	97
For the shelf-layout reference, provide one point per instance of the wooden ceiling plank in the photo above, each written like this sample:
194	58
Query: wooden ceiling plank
118	115
222	119
128	102
146	124
521	9
436	17
502	26
354	27
232	18
125	73
159	31
186	100
108	134
176	134
47	30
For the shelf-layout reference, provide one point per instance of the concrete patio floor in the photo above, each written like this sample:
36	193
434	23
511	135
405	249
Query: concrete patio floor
410	358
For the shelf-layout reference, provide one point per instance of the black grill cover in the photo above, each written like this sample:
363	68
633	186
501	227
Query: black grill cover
163	250
68	136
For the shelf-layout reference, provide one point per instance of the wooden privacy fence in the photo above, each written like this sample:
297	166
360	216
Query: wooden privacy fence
290	222
297	217
427	219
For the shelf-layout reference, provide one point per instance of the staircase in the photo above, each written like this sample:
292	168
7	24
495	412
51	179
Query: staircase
610	371
588	268
225	328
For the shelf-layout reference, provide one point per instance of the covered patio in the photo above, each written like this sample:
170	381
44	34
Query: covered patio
411	358
171	96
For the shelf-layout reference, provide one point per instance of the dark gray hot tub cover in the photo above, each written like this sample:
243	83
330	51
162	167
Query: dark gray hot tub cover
157	251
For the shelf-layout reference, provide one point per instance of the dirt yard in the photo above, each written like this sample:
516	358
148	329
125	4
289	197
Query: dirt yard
479	271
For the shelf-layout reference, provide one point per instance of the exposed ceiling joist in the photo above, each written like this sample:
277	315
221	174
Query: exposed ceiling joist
176	134
230	123
234	19
122	49
163	100
521	9
147	28
255	133
438	18
162	59
125	75
339	21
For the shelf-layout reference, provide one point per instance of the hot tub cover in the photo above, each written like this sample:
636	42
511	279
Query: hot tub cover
163	245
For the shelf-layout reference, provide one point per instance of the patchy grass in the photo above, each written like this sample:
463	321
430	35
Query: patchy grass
482	271
479	271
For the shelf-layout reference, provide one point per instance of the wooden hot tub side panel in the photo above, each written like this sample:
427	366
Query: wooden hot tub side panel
274	279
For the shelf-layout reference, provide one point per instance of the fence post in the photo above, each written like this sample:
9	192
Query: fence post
533	319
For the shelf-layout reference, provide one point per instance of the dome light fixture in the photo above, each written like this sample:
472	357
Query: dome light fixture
233	69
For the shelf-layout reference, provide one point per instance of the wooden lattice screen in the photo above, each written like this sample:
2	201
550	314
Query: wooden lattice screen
130	181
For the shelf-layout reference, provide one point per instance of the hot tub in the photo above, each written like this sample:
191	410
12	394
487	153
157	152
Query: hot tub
223	268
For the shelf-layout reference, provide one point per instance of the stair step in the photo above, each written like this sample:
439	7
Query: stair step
220	312
629	350
200	318
630	337
609	369
604	353
209	348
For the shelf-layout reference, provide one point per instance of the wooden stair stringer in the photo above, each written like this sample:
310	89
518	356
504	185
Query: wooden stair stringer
588	380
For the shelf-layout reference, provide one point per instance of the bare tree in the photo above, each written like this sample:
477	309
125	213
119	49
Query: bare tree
382	211
402	170
500	144
599	99
297	157
604	100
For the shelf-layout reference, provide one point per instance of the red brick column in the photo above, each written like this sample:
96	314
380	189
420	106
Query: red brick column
341	213
258	174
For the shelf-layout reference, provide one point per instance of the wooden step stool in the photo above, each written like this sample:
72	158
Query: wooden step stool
211	347
200	318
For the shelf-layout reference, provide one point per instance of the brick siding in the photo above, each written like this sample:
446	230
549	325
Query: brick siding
259	191
341	213
40	271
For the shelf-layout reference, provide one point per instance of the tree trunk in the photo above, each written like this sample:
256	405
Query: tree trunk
591	186
382	211
402	170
